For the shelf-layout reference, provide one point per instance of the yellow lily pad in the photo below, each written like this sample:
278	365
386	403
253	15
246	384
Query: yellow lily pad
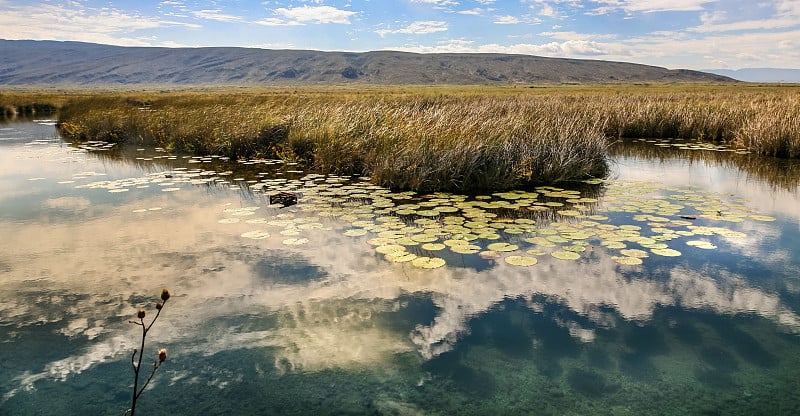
465	249
355	232
428	262
502	247
433	246
705	245
666	252
634	253
389	248
256	235
523	261
565	255
400	256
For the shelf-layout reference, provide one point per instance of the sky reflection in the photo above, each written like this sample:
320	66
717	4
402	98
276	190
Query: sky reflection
85	259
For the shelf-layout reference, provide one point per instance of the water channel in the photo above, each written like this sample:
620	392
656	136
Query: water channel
671	287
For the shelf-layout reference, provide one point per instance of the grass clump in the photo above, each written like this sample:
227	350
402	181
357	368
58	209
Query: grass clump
465	142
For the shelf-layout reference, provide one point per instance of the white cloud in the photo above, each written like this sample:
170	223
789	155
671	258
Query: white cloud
105	25
570	48
650	6
476	11
423	27
440	3
512	20
274	21
507	20
316	14
569	35
786	15
217	15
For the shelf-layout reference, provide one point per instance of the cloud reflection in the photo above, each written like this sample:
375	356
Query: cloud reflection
114	260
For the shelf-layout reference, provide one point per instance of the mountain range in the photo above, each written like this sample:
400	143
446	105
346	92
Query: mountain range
28	62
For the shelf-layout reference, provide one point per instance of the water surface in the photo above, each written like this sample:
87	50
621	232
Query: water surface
325	306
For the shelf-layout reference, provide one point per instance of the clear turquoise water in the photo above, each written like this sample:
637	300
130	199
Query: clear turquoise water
333	326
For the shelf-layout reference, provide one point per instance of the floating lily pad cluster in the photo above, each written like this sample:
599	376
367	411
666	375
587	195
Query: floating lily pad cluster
168	181
96	145
693	145
630	221
519	227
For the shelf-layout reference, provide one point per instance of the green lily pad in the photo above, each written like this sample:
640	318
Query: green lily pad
465	249
355	232
523	261
400	256
433	246
666	252
428	262
634	253
424	238
705	245
389	248
502	247
565	255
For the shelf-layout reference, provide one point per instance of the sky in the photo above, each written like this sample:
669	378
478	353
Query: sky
692	34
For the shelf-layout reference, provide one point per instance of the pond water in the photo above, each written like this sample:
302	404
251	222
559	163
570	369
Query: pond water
672	287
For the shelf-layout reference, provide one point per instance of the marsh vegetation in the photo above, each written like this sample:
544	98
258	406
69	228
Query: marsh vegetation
441	138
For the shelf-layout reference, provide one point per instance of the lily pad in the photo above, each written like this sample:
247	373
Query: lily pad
705	245
666	252
634	253
400	256
565	255
424	238
389	248
465	249
256	235
523	261
433	246
502	247
428	262
355	232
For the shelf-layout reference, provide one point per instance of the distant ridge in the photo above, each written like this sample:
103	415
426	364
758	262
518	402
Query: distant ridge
760	74
27	62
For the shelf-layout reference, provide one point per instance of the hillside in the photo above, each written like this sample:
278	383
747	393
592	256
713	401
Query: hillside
75	63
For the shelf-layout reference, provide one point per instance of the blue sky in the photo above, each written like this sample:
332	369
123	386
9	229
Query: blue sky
694	34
